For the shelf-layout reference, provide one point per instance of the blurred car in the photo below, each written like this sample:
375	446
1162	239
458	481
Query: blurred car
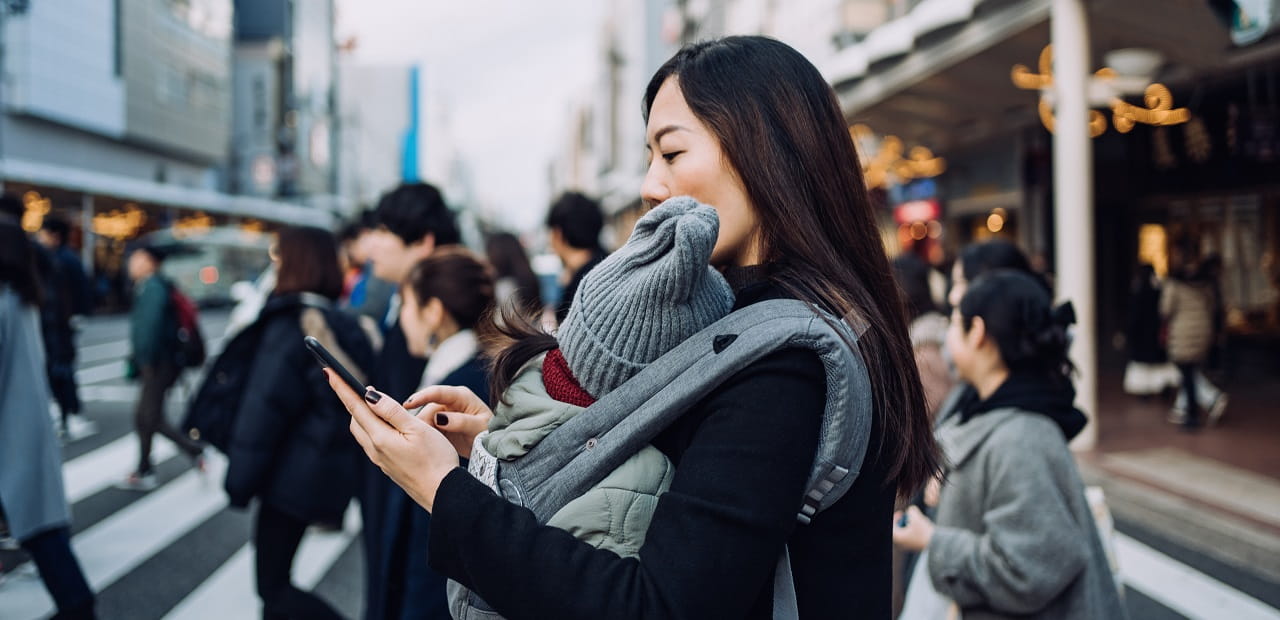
207	263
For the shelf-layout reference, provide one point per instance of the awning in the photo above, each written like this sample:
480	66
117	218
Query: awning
125	188
953	86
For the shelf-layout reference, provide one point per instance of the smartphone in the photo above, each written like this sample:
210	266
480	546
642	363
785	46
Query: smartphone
326	360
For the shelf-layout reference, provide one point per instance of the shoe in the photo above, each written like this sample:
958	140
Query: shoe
1177	416
9	543
78	427
138	482
1217	409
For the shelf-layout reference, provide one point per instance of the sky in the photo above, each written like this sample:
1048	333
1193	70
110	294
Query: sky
506	71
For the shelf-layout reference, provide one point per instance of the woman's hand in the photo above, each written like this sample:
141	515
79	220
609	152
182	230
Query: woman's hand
408	450
916	533
454	411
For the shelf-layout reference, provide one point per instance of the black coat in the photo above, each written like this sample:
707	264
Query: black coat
407	588
290	444
742	458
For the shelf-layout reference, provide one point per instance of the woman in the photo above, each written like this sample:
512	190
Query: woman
516	283
1189	304
979	258
34	503
288	444
442	300
778	166
1014	534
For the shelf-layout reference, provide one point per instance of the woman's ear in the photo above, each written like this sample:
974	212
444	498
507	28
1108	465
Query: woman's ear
433	314
977	333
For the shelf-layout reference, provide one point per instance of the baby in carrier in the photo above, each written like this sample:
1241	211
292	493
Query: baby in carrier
639	303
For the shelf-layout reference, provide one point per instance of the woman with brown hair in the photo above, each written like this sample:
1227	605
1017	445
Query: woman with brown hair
748	126
288	446
442	299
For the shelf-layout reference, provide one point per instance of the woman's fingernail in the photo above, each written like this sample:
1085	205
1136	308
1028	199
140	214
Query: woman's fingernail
372	396
442	419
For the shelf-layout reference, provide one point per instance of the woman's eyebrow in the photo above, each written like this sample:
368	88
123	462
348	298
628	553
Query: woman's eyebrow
657	135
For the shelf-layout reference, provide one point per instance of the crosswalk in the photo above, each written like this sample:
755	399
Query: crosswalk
180	552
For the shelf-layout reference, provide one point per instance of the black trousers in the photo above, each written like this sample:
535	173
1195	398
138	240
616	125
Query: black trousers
61	574
1189	371
149	417
276	539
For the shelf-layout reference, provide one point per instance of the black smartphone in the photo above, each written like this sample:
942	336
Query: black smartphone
326	360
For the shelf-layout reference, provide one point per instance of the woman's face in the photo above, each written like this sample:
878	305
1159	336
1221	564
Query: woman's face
958	284
419	321
685	159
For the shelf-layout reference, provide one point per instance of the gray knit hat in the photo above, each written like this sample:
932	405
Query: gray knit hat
646	298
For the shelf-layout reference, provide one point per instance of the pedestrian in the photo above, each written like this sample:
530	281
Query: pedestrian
1015	536
289	445
747	125
1188	304
516	283
1148	371
31	488
68	295
927	328
156	360
413	223
979	258
574	223
368	295
443	298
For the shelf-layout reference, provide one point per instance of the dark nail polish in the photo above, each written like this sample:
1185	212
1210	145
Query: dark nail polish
372	396
442	419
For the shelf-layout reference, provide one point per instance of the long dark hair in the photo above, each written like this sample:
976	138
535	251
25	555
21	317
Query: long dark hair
509	260
781	128
18	260
1019	316
308	262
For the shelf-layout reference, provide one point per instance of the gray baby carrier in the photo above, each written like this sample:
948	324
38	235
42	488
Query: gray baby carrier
580	453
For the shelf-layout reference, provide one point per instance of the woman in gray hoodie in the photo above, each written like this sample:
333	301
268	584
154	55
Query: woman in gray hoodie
1014	534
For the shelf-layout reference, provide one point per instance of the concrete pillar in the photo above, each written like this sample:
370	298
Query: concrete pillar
1073	199
88	240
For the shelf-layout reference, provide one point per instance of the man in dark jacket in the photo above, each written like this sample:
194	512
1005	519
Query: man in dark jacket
69	295
574	223
153	334
413	221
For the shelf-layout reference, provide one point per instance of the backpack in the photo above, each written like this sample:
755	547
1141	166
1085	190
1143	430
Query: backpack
581	452
191	353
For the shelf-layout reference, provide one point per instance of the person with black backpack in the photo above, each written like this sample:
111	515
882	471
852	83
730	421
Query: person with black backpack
264	404
158	336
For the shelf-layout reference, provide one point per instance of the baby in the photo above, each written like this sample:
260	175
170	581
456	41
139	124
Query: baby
637	304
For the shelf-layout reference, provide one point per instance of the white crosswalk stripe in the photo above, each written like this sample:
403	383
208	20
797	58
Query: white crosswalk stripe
228	592
103	467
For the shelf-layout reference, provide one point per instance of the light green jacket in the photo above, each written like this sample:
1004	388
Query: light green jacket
615	513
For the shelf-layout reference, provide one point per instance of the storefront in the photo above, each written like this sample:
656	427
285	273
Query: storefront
108	213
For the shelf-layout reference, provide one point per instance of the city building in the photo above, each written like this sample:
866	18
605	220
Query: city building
118	115
284	124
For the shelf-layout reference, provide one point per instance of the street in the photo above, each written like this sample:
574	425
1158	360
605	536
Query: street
180	552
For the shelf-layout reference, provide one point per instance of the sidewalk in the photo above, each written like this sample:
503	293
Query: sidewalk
1216	491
